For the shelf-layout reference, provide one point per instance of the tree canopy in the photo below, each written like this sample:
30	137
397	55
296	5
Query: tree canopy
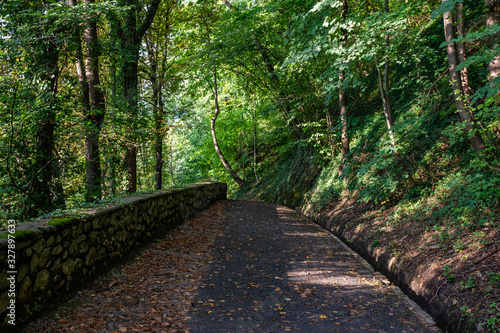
103	98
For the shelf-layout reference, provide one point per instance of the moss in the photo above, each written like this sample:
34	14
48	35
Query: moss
59	222
19	234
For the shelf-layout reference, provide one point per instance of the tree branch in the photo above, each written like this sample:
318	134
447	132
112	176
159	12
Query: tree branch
150	16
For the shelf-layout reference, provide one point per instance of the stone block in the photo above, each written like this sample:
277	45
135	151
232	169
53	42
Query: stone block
87	225
41	281
56	267
66	232
44	257
57	250
39	245
22	245
83	247
77	230
51	240
25	290
73	249
95	223
90	257
35	263
81	238
22	272
69	266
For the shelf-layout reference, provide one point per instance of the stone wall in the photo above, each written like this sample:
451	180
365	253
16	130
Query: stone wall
54	257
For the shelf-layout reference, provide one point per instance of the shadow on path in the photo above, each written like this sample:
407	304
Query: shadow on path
274	271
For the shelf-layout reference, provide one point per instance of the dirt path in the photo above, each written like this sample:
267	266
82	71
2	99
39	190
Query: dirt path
241	266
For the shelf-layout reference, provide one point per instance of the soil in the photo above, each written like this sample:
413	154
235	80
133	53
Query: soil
455	278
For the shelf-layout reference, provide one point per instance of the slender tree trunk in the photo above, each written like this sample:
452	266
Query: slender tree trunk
343	120
113	157
329	126
111	177
158	119
343	98
456	83
383	83
387	96
385	100
155	74
255	140
130	86
171	163
226	164
462	52
384	87
158	144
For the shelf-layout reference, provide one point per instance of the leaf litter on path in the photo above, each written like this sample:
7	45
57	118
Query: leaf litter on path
152	293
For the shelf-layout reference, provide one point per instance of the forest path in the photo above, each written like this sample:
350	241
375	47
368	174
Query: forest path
240	266
275	271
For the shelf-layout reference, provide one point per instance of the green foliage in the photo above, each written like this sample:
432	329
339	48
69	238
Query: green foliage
447	274
328	187
494	278
469	284
494	320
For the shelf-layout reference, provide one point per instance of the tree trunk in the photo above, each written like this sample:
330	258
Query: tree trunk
171	163
383	83
387	96
158	139
93	108
255	141
130	86
94	118
456	83
462	52
157	103
343	98
343	120
384	88
131	41
233	174
329	126
385	102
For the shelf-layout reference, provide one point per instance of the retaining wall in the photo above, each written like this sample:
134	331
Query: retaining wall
53	257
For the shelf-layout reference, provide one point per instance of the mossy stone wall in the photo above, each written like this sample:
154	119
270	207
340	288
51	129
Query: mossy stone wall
59	255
